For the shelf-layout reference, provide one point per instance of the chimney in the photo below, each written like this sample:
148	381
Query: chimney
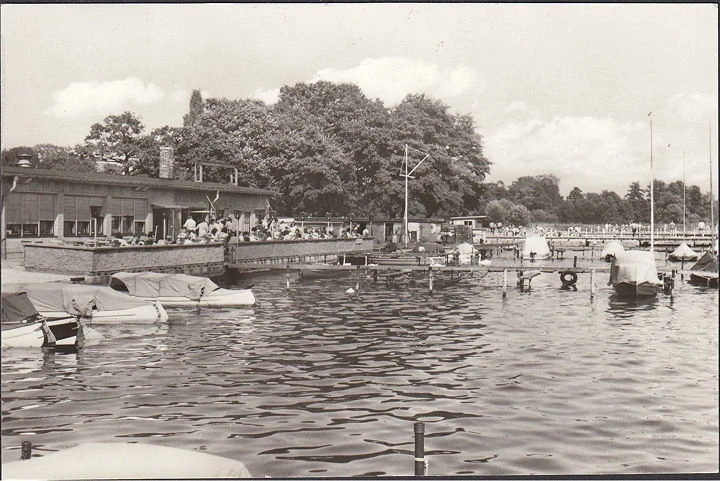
24	160
167	162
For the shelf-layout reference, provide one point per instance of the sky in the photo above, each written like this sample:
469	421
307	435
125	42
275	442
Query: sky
572	90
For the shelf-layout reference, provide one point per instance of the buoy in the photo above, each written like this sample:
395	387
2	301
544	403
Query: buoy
568	278
350	291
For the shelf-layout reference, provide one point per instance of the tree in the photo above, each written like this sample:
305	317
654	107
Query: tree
196	109
118	139
11	156
71	159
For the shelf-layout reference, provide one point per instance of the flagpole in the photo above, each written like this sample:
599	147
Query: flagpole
652	198
684	208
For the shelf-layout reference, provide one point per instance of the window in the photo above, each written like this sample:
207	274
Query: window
26	212
79	213
468	222
128	215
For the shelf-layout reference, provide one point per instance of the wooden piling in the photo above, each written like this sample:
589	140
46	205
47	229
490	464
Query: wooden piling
430	273
420	449
26	450
504	282
592	285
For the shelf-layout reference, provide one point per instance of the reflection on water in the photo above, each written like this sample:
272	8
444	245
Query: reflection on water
318	382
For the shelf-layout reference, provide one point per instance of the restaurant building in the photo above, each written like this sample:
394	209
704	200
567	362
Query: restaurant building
42	203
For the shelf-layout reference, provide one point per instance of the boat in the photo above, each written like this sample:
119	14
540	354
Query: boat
125	461
179	290
683	253
324	271
92	304
24	326
535	248
705	271
634	274
611	250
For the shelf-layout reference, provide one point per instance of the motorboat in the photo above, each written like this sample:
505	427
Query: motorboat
125	461
683	253
611	250
634	274
705	271
179	290
23	326
536	248
90	303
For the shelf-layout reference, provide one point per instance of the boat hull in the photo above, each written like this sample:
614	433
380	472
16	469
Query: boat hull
325	271
65	331
632	290
148	314
700	279
218	298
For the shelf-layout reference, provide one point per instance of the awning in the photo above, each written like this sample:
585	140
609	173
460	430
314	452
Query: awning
162	205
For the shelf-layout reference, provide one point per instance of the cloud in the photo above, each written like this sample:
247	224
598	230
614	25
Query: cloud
269	96
80	98
692	107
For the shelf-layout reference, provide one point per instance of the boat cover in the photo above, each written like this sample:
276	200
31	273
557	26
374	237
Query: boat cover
613	248
16	307
155	284
538	245
75	299
634	267
684	252
708	263
465	252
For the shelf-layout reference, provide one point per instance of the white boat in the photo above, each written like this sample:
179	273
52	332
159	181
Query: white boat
611	250
683	253
125	461
179	290
23	326
634	274
92	304
535	248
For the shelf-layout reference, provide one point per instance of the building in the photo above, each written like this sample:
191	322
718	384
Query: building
40	203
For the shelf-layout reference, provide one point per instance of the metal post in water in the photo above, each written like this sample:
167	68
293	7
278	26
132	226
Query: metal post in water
26	450
430	272
420	449
504	282
575	261
592	285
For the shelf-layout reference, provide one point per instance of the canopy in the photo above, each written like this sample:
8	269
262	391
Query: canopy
684	252
74	299
16	307
155	284
634	267
538	245
466	251
613	248
707	263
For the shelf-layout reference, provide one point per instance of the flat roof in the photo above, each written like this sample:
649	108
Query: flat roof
128	180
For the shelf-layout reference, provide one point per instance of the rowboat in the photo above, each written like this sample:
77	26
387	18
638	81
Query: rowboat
179	290
634	274
23	326
125	461
90	303
323	271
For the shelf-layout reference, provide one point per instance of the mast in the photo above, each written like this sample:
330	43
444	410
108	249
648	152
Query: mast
684	214
712	201
405	219
652	199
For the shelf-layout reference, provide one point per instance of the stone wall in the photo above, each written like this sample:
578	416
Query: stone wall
296	249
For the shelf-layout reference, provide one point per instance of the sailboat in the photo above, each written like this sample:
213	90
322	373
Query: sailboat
633	274
705	270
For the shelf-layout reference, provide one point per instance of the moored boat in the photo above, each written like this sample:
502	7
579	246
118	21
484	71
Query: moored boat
179	290
705	271
535	248
634	274
91	303
23	326
683	253
322	271
611	250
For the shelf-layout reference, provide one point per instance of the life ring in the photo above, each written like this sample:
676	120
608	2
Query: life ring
568	282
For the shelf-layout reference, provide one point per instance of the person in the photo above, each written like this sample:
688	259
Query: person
190	224
202	229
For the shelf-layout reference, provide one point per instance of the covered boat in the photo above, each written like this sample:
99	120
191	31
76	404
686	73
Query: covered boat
634	274
91	303
179	290
323	271
23	326
683	253
705	271
536	247
611	250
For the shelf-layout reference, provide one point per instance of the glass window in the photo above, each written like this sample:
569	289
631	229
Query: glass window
83	227
69	227
14	230
139	227
47	228
30	230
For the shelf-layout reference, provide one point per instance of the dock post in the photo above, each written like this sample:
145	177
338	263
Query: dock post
575	261
430	272
287	277
504	282
420	463
26	450
592	285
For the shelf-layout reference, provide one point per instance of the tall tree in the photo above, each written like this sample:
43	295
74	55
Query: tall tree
118	139
196	108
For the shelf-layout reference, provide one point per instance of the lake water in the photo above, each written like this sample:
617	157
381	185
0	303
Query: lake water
318	382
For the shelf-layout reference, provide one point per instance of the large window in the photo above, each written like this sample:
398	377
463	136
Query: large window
128	215
82	213
30	214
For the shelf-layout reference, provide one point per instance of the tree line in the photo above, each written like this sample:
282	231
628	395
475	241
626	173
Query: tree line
326	148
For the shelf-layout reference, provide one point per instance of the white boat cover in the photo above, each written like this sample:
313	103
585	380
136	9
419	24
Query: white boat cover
612	248
466	251
75	299
708	264
683	251
125	461
156	284
538	245
634	267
